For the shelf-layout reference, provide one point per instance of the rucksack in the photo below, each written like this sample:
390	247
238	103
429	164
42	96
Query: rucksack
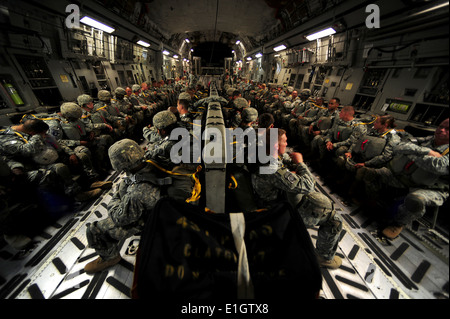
187	253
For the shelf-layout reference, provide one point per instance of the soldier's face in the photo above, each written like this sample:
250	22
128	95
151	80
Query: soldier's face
333	104
345	116
128	90
294	94
90	106
282	144
441	135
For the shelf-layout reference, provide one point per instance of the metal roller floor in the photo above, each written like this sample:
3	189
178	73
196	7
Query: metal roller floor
413	266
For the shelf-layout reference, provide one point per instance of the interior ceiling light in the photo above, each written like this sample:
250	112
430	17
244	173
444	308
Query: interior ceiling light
279	48
96	24
249	58
165	52
175	56
143	43
321	34
258	55
187	40
238	41
431	9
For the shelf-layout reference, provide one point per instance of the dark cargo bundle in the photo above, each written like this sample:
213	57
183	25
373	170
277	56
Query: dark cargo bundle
186	253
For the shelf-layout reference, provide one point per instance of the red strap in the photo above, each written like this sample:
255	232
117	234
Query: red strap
339	134
408	166
363	144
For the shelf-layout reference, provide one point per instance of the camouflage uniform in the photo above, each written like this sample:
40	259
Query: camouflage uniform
77	130
104	112
125	106
425	176
270	187
314	208
391	139
33	155
323	122
160	150
235	115
128	209
299	109
318	210
342	134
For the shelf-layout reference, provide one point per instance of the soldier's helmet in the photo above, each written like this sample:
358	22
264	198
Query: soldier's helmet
240	103
104	95
316	203
120	91
84	99
125	155
135	87
305	92
163	119
184	96
48	156
71	111
249	114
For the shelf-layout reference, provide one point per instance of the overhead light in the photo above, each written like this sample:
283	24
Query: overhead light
431	9
321	34
279	48
232	51
258	55
192	50
144	44
96	24
249	58
276	55
175	56
165	52
187	40
238	41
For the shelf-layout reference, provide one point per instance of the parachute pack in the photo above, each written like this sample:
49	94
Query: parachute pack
187	253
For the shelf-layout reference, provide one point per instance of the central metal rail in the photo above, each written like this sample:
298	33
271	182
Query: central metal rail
215	155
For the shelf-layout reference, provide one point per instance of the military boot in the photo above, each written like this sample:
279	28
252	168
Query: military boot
99	264
392	232
334	263
102	185
85	196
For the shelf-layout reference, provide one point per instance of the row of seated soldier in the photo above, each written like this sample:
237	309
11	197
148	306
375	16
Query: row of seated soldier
131	133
